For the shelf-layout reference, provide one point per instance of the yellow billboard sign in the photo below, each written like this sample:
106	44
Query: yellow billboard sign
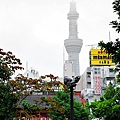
100	57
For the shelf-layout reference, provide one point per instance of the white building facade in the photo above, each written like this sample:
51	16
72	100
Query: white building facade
32	73
94	81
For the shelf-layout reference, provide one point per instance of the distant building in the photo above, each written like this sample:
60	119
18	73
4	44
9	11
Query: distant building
94	81
31	74
96	78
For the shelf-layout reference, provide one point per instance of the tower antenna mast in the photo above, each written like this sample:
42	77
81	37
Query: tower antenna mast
73	44
109	36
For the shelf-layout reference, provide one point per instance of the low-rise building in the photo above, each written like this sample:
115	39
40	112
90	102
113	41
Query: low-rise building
94	81
32	73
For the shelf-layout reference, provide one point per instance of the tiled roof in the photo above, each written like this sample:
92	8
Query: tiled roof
31	99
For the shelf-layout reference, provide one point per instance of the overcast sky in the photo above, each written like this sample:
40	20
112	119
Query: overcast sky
35	30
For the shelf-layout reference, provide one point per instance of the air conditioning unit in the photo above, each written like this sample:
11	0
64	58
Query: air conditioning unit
90	95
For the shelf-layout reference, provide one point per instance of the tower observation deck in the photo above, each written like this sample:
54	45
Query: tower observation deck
73	44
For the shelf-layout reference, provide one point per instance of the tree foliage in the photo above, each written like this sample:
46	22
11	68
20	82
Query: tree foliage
108	107
8	65
113	47
8	100
14	92
7	103
60	107
116	24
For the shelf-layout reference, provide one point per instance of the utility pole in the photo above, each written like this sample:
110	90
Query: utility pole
71	104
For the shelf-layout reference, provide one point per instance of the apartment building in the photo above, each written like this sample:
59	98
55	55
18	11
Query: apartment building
94	81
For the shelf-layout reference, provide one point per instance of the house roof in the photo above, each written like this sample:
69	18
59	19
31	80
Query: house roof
31	99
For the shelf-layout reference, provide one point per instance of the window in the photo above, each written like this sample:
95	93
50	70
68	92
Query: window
99	72
88	76
95	68
99	69
110	70
95	72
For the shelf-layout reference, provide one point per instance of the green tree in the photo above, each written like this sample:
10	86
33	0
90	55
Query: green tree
7	103
116	23
14	92
114	47
8	65
111	47
28	110
60	107
8	100
108	107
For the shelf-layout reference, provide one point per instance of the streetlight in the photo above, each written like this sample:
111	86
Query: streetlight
71	83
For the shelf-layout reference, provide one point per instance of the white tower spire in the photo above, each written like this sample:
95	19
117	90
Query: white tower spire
73	44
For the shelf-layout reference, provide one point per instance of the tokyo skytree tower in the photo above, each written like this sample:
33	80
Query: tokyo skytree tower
73	44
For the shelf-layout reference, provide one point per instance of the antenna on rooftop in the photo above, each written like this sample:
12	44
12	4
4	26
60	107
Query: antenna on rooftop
63	60
109	36
26	65
92	45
